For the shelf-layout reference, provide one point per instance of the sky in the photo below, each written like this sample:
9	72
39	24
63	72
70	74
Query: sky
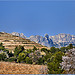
37	17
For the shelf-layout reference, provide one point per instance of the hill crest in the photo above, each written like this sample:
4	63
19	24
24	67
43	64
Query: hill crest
11	41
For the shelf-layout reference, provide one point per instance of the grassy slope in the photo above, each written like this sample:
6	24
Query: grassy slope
20	68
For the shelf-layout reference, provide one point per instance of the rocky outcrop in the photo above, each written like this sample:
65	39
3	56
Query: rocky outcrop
18	34
46	41
62	39
59	40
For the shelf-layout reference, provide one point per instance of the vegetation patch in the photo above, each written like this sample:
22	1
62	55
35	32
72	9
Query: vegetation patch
50	57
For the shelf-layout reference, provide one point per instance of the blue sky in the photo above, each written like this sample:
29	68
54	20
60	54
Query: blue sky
37	17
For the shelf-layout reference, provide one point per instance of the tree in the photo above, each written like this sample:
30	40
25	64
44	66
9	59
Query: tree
63	49
18	50
53	49
58	56
70	46
40	61
28	51
47	57
45	50
35	56
54	64
11	59
11	54
68	63
21	57
34	48
28	60
1	44
3	56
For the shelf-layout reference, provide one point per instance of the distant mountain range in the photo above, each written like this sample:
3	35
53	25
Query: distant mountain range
58	41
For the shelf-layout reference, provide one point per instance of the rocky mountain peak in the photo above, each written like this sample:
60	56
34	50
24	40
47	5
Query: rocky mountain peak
18	34
46	36
15	33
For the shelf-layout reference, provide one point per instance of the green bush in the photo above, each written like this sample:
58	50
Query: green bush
21	57
11	59
34	48
28	60
18	50
54	63
3	56
40	61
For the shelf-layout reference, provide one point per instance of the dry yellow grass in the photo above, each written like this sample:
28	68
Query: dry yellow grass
19	68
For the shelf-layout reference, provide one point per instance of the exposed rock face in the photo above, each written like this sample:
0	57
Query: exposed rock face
59	40
18	34
46	41
68	63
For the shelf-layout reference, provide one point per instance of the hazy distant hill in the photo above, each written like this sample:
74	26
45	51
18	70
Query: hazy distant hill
59	40
11	41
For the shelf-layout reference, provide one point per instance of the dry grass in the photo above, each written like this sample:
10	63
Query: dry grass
19	68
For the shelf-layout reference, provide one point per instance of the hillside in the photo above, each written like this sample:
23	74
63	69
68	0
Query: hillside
19	68
11	41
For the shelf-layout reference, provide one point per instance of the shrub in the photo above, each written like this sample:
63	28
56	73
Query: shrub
28	60
18	50
21	57
3	56
11	59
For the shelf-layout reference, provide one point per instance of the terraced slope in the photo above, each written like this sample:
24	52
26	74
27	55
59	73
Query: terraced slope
11	41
